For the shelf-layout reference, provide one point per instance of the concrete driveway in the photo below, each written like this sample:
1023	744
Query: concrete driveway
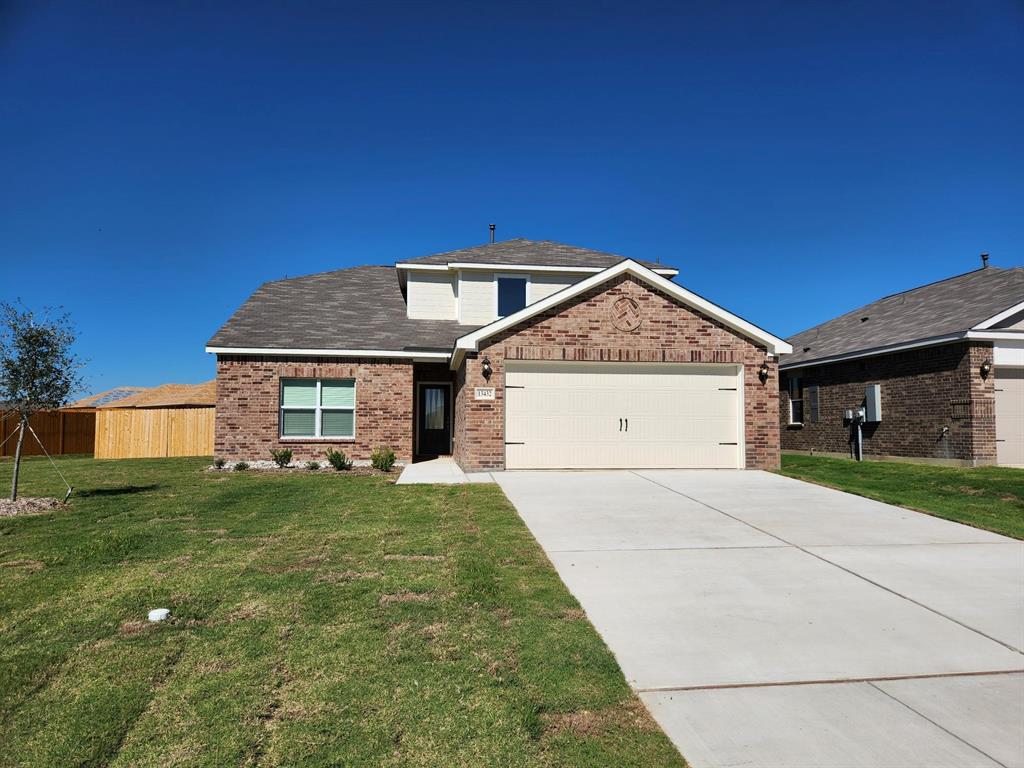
770	622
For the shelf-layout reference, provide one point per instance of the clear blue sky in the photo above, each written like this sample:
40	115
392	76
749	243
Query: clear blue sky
158	161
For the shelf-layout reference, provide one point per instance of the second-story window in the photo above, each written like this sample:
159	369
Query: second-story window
511	295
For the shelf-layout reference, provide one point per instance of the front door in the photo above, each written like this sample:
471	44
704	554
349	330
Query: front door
435	429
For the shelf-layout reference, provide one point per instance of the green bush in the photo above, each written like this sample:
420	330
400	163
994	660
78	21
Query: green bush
313	465
383	459
338	460
241	466
282	456
219	462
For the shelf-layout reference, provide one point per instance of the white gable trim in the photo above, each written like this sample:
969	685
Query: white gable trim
471	341
306	352
996	319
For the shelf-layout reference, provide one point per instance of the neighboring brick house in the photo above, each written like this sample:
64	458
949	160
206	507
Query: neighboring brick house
948	359
518	354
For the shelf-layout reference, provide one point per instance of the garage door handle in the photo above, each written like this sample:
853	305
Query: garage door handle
627	425
620	425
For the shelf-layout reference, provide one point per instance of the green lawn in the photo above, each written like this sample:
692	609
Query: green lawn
318	620
985	497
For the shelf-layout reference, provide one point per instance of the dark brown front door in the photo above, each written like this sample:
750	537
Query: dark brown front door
435	423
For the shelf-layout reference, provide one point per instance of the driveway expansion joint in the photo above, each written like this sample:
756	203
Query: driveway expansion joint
829	681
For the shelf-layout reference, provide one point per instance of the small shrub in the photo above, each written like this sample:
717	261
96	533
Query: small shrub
338	460
383	459
219	462
282	456
313	466
241	466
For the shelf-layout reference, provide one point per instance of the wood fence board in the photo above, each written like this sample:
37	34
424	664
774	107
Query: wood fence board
59	431
138	433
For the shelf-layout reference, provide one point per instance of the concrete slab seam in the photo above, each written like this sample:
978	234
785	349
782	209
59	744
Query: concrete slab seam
833	564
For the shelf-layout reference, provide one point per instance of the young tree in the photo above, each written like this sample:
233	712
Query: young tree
38	370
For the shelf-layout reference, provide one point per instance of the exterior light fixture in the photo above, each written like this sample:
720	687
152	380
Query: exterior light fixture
986	369
485	368
762	372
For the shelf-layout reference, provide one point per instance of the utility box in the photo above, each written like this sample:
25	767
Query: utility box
873	403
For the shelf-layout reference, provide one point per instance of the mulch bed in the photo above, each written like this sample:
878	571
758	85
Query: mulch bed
28	505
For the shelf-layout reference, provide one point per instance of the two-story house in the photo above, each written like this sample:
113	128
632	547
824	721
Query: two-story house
517	354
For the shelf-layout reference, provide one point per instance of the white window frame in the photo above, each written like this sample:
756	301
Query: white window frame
525	277
795	383
317	409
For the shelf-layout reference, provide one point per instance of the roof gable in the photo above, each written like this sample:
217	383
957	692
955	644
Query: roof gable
471	341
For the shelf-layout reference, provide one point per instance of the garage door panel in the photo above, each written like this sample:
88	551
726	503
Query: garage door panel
573	415
1009	386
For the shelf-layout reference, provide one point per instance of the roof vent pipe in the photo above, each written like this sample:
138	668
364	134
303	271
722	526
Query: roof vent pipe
984	260
492	233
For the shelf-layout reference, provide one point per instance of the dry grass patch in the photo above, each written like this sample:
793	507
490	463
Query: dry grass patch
406	597
585	722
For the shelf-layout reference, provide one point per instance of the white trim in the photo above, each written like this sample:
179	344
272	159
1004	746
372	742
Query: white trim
424	267
932	342
297	352
996	335
456	265
317	409
510	276
995	319
419	416
471	341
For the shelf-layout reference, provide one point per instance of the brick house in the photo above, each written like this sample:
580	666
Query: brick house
517	354
946	359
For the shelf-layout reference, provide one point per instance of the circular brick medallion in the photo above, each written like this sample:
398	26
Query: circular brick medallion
625	314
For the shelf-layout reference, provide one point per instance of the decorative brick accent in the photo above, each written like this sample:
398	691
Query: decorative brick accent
923	391
248	402
582	329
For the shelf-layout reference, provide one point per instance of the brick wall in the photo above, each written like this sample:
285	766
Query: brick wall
248	397
923	390
581	330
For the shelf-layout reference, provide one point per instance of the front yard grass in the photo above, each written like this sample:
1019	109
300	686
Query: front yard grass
318	619
985	497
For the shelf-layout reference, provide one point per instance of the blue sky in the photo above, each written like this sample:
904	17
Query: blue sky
158	161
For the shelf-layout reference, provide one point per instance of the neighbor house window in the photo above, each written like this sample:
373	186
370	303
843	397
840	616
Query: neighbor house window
511	295
318	408
796	401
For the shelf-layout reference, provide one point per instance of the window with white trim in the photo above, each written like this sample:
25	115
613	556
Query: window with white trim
796	400
318	408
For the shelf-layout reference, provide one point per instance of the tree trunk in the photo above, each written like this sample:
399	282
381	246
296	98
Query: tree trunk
22	426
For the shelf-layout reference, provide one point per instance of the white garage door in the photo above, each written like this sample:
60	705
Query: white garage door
622	415
1010	416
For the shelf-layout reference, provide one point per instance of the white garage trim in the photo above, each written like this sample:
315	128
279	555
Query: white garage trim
589	415
471	341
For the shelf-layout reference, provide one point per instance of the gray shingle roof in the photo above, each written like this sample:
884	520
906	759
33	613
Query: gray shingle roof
543	253
938	309
357	308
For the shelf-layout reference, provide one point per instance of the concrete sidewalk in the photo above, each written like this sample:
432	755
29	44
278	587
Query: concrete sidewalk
441	471
770	622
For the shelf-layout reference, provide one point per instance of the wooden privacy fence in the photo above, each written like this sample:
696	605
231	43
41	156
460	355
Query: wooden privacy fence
143	433
59	431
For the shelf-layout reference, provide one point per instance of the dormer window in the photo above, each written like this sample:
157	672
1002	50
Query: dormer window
511	293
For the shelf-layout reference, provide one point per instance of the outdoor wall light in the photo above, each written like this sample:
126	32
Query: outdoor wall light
485	368
762	372
986	369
